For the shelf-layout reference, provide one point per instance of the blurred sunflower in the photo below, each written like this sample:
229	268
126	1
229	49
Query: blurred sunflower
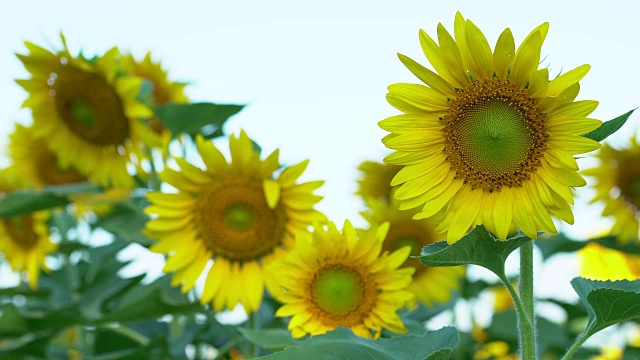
375	180
430	285
86	113
495	350
163	91
617	184
236	213
490	140
35	163
24	239
600	263
334	278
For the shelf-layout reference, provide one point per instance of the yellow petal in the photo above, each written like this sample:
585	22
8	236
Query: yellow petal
504	54
539	83
479	48
526	61
434	205
428	77
562	82
271	191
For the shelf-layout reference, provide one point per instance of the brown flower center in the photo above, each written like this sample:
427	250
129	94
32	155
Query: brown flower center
234	220
48	171
21	231
494	135
89	106
409	233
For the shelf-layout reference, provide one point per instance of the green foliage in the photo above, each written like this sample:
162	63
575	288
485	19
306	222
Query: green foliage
561	243
478	247
609	127
343	344
27	201
200	118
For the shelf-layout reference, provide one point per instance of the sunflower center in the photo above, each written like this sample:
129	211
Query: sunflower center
409	233
337	290
234	220
20	230
49	173
89	106
628	179
495	135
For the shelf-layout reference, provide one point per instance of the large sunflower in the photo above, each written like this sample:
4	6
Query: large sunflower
600	263
24	240
334	278
490	140
430	285
617	184
236	213
86	112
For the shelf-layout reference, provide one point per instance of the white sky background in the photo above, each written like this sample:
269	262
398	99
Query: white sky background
314	74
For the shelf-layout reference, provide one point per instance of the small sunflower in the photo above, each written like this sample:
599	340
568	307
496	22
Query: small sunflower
376	179
24	240
334	278
617	184
86	113
600	263
236	213
35	163
164	91
430	285
490	140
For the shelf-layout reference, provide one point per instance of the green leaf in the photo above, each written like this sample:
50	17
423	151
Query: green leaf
561	243
608	302
200	118
27	201
608	127
343	344
478	247
126	222
270	339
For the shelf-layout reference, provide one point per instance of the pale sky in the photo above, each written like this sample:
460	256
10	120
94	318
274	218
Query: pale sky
314	74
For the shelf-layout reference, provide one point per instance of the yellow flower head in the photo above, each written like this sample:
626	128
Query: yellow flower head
490	140
86	113
24	239
600	263
430	285
617	184
238	214
376	180
164	90
334	278
35	164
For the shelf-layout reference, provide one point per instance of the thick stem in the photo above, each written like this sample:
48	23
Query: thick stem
528	333
254	324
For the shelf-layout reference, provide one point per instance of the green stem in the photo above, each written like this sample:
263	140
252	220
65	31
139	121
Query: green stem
523	320
528	332
255	325
127	332
583	337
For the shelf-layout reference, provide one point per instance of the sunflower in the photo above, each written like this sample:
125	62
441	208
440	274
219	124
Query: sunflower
617	184
430	285
35	163
163	91
24	239
375	180
85	112
490	140
600	263
236	213
334	278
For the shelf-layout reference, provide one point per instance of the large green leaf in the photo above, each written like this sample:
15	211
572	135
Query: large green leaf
561	243
478	247
270	339
609	127
200	118
27	201
343	344
608	302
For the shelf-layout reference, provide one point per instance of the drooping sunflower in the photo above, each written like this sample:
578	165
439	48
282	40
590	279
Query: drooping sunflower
600	263
164	91
86	112
490	140
236	213
430	285
617	184
24	239
375	180
334	278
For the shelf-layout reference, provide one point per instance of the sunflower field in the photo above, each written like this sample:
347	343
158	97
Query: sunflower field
135	225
